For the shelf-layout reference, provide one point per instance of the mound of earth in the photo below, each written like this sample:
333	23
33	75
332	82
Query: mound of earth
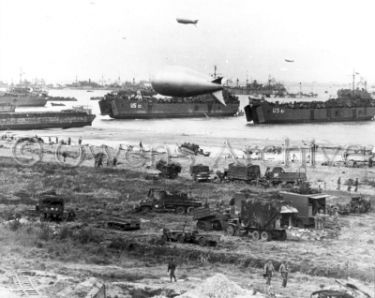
219	286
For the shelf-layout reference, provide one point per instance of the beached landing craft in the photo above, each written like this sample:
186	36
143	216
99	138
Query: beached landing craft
191	95
76	117
350	105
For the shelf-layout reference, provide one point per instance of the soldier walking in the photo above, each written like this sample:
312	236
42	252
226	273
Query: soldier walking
284	270
339	183
356	185
171	269
268	272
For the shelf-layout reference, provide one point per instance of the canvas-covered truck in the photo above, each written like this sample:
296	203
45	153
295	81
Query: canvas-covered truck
168	170
263	217
242	172
200	172
163	201
307	205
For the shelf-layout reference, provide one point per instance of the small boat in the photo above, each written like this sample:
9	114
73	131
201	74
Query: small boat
57	104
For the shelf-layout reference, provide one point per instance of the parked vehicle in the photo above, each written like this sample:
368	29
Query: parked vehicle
261	217
186	236
200	172
246	173
52	207
168	170
122	224
162	201
359	205
209	219
307	205
279	176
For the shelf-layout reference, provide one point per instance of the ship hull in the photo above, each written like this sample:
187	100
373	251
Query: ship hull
35	120
263	114
127	110
23	101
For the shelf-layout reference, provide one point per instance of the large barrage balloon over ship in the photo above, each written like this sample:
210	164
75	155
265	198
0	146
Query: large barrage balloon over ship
183	82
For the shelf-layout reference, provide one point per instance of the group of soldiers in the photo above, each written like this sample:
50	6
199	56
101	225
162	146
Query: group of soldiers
350	184
269	271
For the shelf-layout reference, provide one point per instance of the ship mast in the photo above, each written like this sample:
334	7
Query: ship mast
353	83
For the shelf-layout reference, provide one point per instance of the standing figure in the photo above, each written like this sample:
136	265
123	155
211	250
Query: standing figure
171	269
350	181
284	270
268	272
339	183
356	185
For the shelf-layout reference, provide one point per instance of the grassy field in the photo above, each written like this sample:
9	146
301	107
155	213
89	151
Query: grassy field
138	259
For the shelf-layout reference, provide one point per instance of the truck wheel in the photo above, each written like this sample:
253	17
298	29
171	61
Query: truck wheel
283	236
255	235
231	230
265	236
202	241
189	210
180	238
180	210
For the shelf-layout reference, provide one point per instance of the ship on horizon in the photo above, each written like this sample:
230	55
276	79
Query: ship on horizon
23	97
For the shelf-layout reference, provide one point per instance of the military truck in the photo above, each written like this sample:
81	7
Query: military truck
200	172
163	201
359	205
52	207
263	217
279	176
168	170
308	205
242	172
187	236
209	219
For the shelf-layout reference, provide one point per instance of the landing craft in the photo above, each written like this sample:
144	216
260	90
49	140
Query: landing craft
289	60
187	21
179	81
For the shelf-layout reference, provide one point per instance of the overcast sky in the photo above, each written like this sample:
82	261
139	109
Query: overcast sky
58	40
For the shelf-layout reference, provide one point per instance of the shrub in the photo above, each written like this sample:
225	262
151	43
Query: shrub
45	232
87	235
14	225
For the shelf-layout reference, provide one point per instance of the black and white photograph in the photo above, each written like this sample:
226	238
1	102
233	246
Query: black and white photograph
187	149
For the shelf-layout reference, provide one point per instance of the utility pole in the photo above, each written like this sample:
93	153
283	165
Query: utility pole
300	89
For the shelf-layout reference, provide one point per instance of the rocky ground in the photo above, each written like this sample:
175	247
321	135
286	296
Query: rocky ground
71	259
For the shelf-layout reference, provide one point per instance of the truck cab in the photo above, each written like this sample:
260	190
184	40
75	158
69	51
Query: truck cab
200	172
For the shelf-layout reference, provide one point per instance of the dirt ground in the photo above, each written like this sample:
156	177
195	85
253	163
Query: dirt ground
69	259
